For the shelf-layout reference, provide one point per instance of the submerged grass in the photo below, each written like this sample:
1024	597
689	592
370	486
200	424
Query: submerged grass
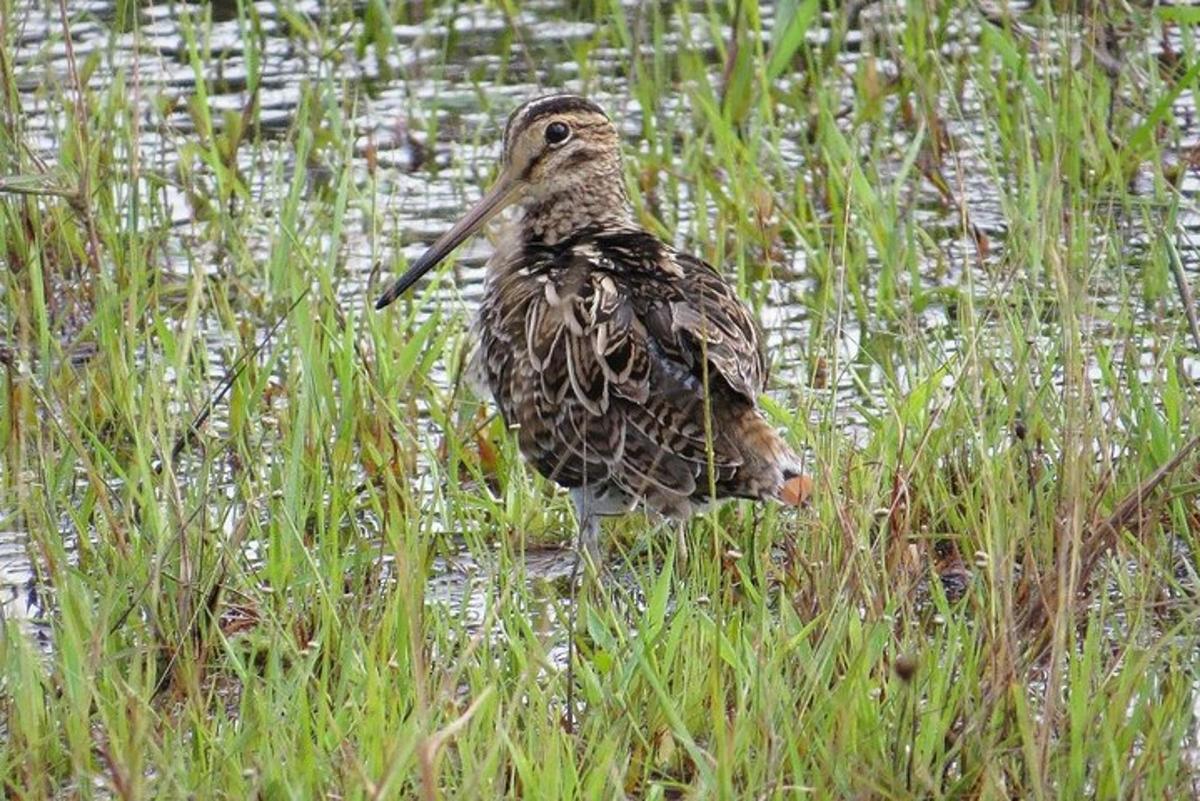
981	600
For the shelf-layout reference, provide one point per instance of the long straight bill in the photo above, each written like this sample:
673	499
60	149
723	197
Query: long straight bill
500	195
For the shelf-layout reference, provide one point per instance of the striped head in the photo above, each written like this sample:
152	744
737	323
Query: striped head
560	141
561	164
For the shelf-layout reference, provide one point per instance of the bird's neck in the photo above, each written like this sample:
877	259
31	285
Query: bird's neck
599	203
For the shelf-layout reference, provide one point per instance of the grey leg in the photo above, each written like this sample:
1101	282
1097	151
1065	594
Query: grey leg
587	549
681	545
588	518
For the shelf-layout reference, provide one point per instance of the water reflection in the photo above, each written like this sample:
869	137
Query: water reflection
424	184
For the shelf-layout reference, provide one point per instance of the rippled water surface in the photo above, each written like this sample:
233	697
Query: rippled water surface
422	184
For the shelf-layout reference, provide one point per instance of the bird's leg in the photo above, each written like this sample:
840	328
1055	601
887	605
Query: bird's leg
681	545
587	549
588	544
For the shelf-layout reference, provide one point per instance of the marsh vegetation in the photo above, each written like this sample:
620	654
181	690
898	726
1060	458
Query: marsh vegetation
258	540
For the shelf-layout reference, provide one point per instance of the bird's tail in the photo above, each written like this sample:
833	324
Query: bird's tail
776	469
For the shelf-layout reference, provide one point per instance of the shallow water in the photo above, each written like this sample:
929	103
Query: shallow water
415	203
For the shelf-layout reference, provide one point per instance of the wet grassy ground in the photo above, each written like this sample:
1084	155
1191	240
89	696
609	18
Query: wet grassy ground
967	229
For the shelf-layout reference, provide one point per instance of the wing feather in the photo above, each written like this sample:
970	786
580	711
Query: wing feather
603	367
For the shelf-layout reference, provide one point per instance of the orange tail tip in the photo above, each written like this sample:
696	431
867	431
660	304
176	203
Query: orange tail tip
796	490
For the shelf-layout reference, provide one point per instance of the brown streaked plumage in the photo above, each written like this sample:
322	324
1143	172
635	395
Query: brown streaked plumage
597	340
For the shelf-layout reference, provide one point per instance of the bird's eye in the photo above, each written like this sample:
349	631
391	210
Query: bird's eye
557	133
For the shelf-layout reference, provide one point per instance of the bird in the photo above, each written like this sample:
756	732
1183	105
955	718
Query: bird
630	371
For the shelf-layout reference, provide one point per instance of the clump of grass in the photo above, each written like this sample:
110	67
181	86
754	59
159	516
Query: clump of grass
969	219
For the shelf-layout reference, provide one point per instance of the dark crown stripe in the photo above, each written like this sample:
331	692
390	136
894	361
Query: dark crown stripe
540	107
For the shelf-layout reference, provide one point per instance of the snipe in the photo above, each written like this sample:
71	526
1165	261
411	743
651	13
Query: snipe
631	372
